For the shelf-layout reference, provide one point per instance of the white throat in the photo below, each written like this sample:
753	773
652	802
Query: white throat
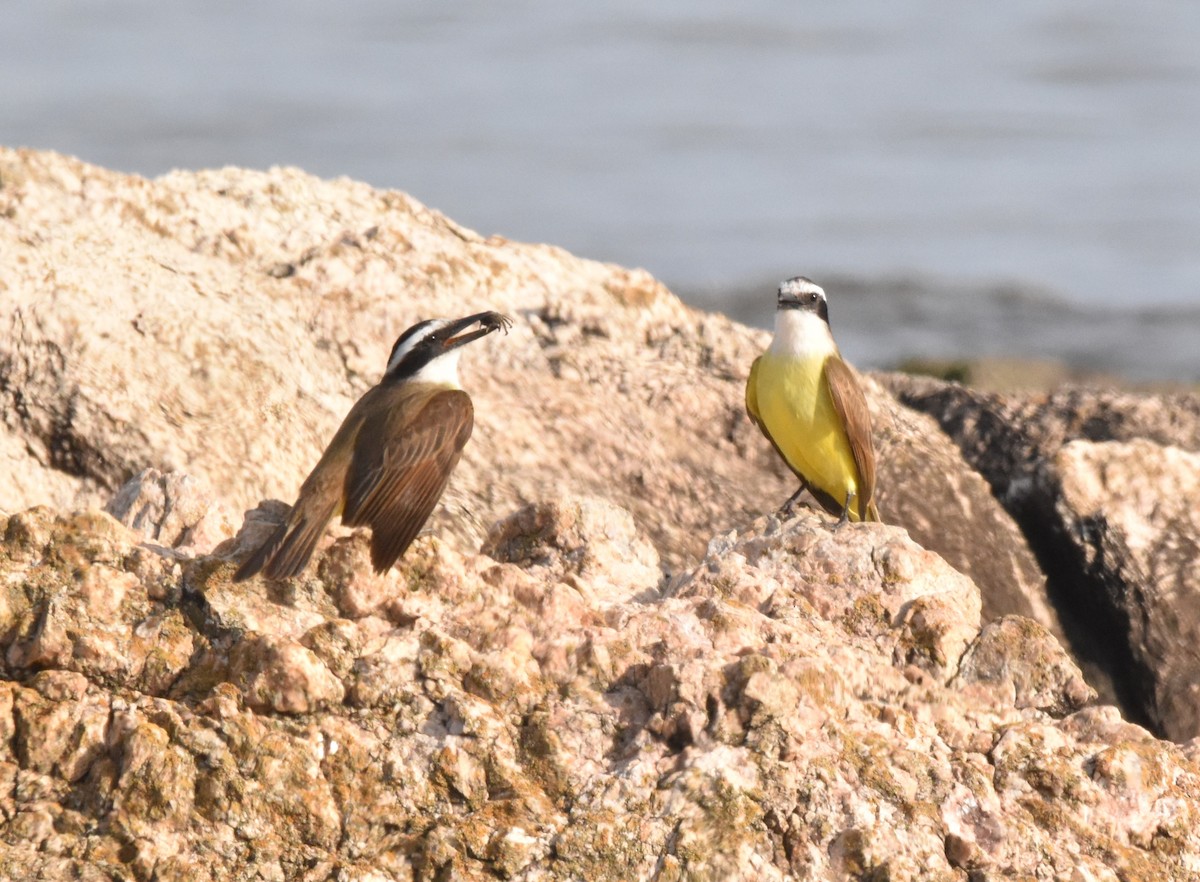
801	334
441	371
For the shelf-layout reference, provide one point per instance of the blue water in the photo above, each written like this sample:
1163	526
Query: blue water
1050	146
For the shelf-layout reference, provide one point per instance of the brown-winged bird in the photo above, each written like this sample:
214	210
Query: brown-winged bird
389	461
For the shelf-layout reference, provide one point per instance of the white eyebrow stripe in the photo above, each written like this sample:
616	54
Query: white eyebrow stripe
407	346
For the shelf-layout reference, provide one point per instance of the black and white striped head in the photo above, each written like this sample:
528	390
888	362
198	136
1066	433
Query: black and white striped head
804	294
802	321
429	350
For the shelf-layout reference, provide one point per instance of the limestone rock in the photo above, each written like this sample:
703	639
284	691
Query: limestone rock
1108	522
652	676
810	702
175	509
221	323
1130	508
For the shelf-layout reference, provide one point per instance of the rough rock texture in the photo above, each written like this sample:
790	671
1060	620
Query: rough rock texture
1103	484
1008	437
809	703
176	510
641	675
1132	510
947	506
220	324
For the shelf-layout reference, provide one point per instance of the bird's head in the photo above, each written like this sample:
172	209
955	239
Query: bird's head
429	350
802	320
803	294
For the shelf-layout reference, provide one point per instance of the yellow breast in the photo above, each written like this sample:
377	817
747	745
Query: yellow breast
792	402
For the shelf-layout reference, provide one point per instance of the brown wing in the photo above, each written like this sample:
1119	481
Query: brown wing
851	405
401	464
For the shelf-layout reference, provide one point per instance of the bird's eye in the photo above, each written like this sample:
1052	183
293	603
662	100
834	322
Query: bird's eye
812	296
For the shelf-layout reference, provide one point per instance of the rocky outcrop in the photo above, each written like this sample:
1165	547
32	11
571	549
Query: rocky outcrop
1129	511
809	703
1103	484
612	662
928	488
175	510
1007	438
219	324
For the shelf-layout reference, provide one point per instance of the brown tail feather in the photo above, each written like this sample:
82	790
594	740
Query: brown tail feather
288	549
254	563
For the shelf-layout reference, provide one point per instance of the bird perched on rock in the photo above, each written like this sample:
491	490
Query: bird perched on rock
809	405
389	462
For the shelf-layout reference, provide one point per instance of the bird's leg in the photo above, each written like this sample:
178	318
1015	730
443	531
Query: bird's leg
842	521
786	511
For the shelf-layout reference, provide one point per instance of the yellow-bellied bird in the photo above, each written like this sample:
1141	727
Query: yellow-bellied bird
389	462
809	405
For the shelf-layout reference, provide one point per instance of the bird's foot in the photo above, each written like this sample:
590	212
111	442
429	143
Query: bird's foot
788	510
845	518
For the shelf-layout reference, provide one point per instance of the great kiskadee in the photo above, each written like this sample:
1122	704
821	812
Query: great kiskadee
389	462
809	405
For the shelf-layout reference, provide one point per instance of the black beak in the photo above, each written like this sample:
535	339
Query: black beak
487	321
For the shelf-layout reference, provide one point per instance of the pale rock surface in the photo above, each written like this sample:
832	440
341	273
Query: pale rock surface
175	509
1131	510
219	324
798	707
1008	438
644	676
1044	677
874	579
222	323
584	541
926	487
1102	483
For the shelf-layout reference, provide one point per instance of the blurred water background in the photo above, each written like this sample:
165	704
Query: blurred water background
1016	179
